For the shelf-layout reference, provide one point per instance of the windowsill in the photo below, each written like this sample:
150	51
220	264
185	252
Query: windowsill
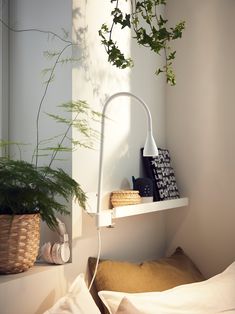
37	268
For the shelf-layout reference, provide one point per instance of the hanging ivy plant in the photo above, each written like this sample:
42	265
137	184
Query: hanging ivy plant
150	30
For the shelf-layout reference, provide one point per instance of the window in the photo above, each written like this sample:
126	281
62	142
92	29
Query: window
3	71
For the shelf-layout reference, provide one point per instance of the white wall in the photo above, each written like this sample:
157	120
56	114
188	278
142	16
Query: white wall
200	132
94	79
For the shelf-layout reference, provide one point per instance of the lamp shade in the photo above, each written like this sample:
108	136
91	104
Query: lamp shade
150	147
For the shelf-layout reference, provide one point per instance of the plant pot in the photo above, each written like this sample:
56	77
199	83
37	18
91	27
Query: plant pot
19	243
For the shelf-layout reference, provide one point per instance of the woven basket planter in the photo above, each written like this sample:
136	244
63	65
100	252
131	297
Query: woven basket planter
19	243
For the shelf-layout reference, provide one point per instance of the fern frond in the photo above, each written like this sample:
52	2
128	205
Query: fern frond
51	54
50	80
46	71
27	189
59	118
69	60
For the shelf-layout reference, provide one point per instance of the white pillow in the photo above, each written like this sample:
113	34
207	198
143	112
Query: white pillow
125	307
215	295
77	301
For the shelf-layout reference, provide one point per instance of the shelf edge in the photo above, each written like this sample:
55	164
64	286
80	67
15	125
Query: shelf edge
144	208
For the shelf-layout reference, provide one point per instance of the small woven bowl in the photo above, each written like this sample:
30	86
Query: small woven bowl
125	197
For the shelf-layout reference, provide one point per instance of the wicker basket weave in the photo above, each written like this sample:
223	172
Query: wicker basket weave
19	235
125	197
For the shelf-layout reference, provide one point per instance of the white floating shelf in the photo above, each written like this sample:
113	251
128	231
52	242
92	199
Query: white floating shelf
145	208
107	215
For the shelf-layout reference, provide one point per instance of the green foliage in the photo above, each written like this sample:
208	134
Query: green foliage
25	189
115	56
150	30
82	115
4	145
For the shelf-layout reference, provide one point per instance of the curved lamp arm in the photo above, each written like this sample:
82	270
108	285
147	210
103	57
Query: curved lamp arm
150	148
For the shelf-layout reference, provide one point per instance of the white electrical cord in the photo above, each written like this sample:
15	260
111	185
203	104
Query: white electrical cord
97	261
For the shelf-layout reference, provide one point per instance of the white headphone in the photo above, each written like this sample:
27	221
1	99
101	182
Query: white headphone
59	252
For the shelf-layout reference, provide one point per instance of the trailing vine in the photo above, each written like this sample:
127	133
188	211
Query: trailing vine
150	30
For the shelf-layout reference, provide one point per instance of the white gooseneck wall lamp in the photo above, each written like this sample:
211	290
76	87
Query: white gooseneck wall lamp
150	148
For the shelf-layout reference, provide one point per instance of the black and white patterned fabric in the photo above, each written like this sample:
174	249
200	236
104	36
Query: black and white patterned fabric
160	171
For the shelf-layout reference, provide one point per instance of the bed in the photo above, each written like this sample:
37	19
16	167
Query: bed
172	285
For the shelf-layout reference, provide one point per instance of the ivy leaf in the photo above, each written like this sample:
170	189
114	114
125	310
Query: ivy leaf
177	31
171	56
161	21
126	21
